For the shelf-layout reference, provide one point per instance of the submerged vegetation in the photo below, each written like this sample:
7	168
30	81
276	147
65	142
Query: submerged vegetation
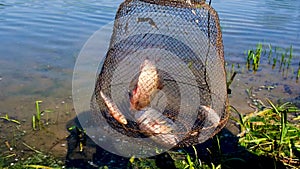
37	121
9	119
277	57
298	72
254	57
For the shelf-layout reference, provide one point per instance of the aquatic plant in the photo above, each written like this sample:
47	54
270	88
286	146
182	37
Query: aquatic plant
230	75
276	56
285	60
253	57
36	119
282	61
270	53
290	57
9	119
298	73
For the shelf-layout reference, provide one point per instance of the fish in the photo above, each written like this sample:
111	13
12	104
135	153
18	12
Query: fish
212	118
208	109
147	85
160	128
114	111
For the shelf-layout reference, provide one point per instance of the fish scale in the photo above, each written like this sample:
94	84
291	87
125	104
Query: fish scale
147	85
159	127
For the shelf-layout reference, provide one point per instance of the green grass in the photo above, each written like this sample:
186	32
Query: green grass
272	132
38	161
182	160
35	160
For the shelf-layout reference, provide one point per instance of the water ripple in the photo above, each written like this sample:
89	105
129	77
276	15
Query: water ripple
245	23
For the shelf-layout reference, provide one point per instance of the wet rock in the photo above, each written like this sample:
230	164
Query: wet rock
287	89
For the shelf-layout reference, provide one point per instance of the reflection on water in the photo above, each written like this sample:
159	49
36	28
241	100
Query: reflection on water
245	23
40	41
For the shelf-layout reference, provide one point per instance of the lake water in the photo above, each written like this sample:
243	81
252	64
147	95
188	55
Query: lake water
40	41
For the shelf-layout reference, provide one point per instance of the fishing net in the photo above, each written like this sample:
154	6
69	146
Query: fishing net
183	40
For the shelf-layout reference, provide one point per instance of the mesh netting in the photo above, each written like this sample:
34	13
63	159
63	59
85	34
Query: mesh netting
183	44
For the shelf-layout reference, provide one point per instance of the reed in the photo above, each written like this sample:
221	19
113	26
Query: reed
38	113
290	57
282	61
275	56
34	122
37	117
253	57
298	73
274	63
270	53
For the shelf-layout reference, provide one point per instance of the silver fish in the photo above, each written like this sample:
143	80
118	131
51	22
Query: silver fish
160	128
208	109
